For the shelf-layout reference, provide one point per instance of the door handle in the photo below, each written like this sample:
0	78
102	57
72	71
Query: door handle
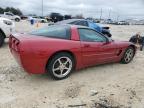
86	45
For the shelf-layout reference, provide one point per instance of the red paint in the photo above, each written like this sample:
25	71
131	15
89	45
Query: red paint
33	52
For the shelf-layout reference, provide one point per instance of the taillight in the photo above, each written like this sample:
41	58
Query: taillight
17	45
10	41
14	43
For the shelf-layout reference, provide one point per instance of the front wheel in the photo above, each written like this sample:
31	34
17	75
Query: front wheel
128	55
42	21
60	66
17	20
1	39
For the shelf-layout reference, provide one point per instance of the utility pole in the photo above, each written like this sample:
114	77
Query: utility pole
101	13
109	14
42	7
118	18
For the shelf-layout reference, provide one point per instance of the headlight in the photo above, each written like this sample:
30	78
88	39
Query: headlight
7	22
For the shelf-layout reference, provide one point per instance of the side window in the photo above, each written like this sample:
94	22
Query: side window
9	14
89	35
82	23
35	17
53	32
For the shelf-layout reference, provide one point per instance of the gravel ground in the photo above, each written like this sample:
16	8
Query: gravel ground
104	86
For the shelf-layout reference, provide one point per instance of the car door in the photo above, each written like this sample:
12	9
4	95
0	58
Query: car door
9	15
96	48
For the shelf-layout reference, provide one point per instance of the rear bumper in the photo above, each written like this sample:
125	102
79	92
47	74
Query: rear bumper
29	64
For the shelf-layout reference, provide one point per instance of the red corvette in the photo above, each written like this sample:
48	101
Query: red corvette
60	49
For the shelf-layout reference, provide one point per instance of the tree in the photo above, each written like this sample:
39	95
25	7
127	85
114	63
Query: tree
1	10
11	9
79	16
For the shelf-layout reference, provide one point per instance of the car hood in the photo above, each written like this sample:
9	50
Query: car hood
1	18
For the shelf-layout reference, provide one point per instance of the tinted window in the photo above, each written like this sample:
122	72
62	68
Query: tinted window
62	32
35	17
91	36
95	26
9	14
65	21
82	23
74	22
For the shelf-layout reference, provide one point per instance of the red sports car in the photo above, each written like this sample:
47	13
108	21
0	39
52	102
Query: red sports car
60	49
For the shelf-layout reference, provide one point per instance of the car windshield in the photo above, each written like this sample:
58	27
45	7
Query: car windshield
62	32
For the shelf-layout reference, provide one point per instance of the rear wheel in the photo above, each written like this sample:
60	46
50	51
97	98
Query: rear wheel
1	39
17	20
128	55
60	66
42	21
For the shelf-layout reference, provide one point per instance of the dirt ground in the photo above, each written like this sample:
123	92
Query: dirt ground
104	86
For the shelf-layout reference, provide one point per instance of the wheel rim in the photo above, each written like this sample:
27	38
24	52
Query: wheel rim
17	20
62	67
129	55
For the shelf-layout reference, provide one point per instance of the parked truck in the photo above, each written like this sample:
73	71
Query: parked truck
11	16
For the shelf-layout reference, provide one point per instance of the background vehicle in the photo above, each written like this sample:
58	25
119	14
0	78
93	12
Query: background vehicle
6	28
87	23
123	23
11	16
66	17
38	19
56	17
60	49
23	17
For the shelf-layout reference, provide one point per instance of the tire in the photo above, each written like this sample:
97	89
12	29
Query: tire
60	66
17	20
42	21
107	34
1	39
128	55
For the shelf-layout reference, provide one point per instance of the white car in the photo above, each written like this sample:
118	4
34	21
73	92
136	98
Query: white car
6	28
11	16
37	19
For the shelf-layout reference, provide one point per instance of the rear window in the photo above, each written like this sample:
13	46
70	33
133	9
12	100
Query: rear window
66	21
62	32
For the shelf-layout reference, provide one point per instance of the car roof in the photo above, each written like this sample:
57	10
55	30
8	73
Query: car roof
72	26
77	26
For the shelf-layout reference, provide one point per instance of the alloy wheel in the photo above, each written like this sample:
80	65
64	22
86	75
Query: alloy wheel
62	67
129	55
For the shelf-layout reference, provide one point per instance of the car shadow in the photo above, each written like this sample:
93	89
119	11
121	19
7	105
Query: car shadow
6	43
101	66
47	77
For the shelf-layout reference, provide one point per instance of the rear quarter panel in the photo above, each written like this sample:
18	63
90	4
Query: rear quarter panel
36	53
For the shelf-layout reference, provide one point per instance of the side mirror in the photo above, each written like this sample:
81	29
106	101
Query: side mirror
107	42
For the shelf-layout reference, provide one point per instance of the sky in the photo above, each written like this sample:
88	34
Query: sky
114	9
